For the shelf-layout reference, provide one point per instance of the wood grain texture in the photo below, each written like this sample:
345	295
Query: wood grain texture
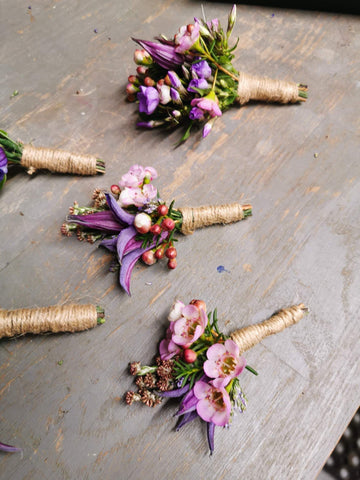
301	245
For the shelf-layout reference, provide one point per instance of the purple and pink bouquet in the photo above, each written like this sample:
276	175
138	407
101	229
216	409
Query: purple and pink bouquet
189	80
134	223
201	366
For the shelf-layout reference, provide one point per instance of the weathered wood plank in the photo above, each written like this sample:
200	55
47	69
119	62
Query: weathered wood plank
302	244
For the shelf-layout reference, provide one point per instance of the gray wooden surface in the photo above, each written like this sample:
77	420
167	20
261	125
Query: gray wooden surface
301	245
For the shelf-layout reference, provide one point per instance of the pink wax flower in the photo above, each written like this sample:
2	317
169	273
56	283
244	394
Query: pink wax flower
186	38
224	361
167	347
190	326
136	175
214	403
137	196
176	311
209	104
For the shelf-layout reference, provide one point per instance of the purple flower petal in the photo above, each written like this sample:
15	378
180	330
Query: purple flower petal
163	54
123	239
178	392
188	403
119	212
9	448
109	243
104	221
188	417
210	436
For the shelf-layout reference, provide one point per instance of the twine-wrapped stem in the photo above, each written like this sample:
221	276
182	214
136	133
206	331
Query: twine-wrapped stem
197	217
66	318
252	87
35	158
249	336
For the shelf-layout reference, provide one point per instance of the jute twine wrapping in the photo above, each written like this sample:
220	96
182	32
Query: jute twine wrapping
197	217
66	318
265	89
61	161
249	336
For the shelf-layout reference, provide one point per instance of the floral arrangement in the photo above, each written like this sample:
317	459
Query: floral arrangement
34	158
190	80
133	222
201	366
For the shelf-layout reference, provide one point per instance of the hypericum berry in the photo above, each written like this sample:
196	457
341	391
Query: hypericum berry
133	79
115	189
168	224
141	57
162	210
190	28
172	263
160	252
155	229
189	355
148	257
142	222
171	252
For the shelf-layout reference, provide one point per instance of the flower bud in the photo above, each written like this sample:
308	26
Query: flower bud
171	252
149	82
148	257
189	355
199	304
142	222
176	311
231	20
115	189
131	89
133	79
141	70
168	224
141	57
162	210
190	27
172	263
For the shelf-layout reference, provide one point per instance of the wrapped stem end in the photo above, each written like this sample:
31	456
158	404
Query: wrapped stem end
198	217
250	336
66	318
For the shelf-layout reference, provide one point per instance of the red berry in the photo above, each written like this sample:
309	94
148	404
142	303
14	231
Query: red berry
162	210
155	229
190	28
171	252
159	253
172	263
115	189
189	355
141	70
132	79
148	257
199	304
168	224
142	222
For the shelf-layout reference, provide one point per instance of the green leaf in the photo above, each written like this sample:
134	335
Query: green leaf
2	183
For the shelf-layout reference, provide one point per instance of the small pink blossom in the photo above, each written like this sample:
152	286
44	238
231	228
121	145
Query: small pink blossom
137	196
188	35
136	175
224	361
207	105
214	403
176	311
190	326
167	347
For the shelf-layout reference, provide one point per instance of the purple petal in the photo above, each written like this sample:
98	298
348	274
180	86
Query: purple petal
104	221
178	392
188	417
164	55
119	212
132	245
123	239
128	263
188	403
210	436
9	448
109	243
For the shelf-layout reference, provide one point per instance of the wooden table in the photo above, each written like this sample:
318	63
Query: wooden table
62	395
